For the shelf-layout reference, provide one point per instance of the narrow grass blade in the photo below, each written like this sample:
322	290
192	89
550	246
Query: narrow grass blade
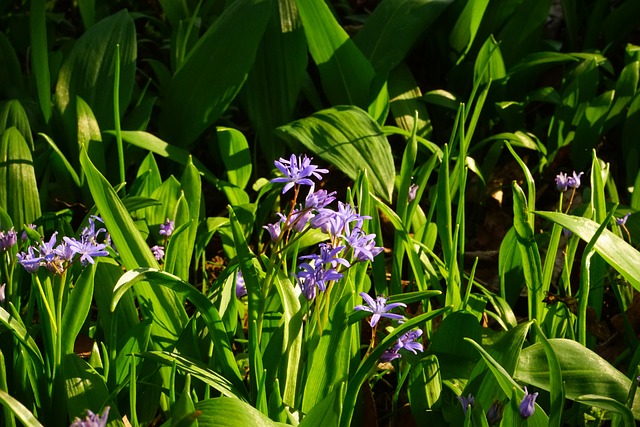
556	384
77	308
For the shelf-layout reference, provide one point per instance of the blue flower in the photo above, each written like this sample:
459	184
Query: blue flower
86	249
574	181
528	404
8	239
315	274
363	245
622	221
407	342
328	256
297	171
158	252
413	191
29	260
379	308
241	287
274	229
90	233
318	199
466	402
494	414
562	182
166	229
92	420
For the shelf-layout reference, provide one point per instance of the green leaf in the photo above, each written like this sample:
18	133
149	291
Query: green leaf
235	156
392	29
223	412
18	188
271	91
22	413
350	139
40	56
583	371
169	314
346	74
76	310
609	246
213	72
11	80
327	412
464	32
556	384
221	348
609	404
85	389
154	144
13	114
88	71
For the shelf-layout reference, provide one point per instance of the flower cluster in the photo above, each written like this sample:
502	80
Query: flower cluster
348	242
564	181
56	258
92	420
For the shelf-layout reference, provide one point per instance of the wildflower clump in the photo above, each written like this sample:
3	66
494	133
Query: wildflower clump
348	242
56	255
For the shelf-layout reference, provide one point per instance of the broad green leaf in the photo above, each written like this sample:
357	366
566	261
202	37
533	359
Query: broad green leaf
169	314
225	412
76	310
12	114
40	56
583	371
154	144
89	135
406	101
327	412
60	155
521	29
236	157
179	249
88	71
464	31
221	348
15	325
350	139
556	385
11	80
346	74
489	65
23	414
85	389
213	72
392	29
271	91
18	187
610	405
609	246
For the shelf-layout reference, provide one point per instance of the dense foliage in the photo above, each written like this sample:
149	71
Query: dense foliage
298	212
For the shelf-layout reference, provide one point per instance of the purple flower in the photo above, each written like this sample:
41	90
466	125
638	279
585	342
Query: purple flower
241	287
379	308
158	252
274	229
90	233
166	229
363	245
574	181
314	274
46	248
328	256
413	190
527	406
64	251
86	249
622	221
318	199
466	402
406	341
300	219
29	260
92	420
562	182
8	239
297	171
